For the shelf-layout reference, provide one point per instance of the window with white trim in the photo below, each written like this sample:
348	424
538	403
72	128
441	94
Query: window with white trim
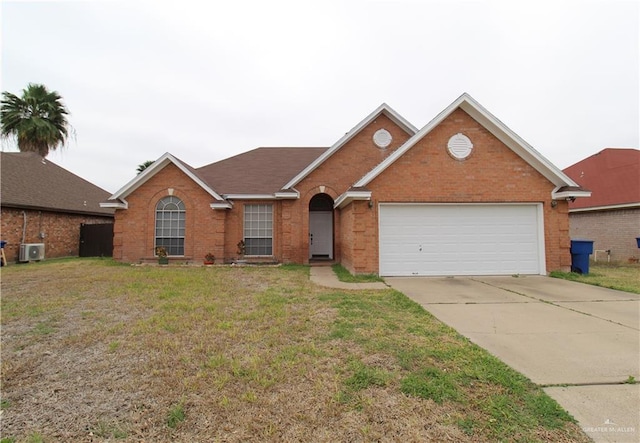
170	222
258	229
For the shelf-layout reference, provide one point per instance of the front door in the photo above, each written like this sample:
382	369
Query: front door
321	234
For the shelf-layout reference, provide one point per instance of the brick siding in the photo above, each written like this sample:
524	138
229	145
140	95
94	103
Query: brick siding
426	173
493	173
614	230
134	231
335	176
61	231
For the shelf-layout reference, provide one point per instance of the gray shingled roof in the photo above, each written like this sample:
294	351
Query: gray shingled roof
260	171
28	181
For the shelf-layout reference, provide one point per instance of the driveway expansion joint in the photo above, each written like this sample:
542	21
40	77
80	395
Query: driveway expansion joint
559	304
594	383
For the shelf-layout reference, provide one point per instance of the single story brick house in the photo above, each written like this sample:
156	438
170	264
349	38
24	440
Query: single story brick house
611	217
463	195
44	204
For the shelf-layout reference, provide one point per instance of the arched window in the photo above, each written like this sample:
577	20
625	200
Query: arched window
170	221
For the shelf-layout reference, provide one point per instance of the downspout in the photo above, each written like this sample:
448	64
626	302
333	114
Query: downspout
24	225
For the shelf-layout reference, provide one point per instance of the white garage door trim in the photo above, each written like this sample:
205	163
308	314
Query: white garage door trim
426	239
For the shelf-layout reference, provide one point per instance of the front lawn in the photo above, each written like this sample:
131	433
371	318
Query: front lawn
623	277
93	351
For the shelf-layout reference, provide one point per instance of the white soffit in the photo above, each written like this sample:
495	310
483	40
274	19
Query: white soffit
350	196
382	109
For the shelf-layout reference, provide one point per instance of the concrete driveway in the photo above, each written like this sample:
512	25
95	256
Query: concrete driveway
556	333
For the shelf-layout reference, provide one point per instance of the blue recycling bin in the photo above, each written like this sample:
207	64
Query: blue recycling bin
580	251
638	241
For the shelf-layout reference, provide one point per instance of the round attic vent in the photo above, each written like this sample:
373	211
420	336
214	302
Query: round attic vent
382	138
460	146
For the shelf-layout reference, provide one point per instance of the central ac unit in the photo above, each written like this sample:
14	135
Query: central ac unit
31	251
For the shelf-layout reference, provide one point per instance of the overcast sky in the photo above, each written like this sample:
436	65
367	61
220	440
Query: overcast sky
211	79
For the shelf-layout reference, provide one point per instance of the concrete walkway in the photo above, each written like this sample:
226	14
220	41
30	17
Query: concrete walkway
324	276
580	342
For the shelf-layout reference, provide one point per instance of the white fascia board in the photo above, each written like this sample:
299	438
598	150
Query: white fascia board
116	205
382	109
364	181
514	141
153	169
350	196
275	196
221	205
294	194
606	208
493	125
249	196
556	195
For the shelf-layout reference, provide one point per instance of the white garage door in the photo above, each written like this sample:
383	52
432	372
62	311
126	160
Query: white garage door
448	239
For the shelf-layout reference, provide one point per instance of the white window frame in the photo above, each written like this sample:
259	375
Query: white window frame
258	225
171	229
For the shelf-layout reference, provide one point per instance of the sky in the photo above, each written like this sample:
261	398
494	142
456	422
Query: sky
206	80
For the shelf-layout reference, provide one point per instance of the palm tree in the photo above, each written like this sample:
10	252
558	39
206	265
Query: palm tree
144	166
38	119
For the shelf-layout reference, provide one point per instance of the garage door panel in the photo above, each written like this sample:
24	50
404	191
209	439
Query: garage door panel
459	239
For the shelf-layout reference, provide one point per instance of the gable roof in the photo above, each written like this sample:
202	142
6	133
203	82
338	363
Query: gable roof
565	187
613	176
258	172
272	173
29	181
118	200
382	109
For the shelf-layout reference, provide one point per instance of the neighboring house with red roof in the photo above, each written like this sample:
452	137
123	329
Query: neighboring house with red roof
611	217
42	203
463	195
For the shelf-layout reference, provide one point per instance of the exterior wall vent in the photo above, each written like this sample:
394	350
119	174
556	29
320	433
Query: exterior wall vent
460	146
382	138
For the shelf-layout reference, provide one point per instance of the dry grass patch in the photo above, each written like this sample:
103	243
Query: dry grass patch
620	276
97	352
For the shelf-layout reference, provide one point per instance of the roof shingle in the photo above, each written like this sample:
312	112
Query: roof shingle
612	175
260	171
31	182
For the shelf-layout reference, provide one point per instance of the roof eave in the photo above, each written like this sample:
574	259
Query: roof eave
123	204
220	205
516	143
493	125
249	196
279	195
382	109
606	207
569	195
287	195
156	167
350	196
56	210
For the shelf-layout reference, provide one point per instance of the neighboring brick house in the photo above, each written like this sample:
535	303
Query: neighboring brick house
611	217
40	202
463	195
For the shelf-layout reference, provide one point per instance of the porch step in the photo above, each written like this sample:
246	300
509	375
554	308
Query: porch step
322	262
